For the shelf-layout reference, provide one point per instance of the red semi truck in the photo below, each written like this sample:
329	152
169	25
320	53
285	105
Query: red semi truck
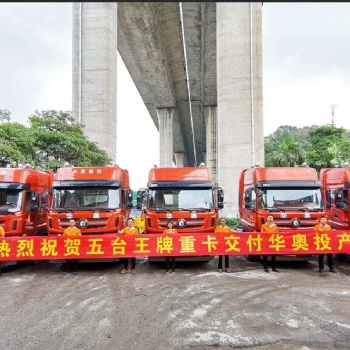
336	189
98	198
292	195
184	195
24	199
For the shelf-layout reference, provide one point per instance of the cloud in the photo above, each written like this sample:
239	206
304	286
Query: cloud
305	64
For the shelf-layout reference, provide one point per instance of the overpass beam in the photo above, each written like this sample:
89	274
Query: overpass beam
166	120
210	114
239	88
95	71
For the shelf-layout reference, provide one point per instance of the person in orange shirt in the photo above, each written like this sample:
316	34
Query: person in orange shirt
129	230
169	231
323	226
71	264
269	227
2	235
223	228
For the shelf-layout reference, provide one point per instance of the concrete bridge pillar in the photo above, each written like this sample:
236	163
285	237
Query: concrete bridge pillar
165	120
239	91
210	114
95	71
179	159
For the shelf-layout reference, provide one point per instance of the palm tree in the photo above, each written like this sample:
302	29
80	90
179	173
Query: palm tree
288	153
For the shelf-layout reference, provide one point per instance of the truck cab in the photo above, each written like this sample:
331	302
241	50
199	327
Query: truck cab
187	197
184	195
98	198
24	200
293	196
336	190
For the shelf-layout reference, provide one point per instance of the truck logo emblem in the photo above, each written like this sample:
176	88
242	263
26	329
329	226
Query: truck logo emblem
181	223
82	223
296	222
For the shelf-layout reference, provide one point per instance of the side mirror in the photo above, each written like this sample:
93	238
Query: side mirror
248	205
328	196
35	202
248	195
140	198
129	203
220	198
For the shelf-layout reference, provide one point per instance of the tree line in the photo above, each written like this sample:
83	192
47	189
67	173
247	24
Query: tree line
54	138
51	139
320	146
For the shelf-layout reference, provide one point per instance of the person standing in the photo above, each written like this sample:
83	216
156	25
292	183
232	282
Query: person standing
223	228
323	226
170	230
129	230
71	264
269	227
2	235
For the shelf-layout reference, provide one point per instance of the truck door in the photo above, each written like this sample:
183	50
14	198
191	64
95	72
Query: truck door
340	207
249	209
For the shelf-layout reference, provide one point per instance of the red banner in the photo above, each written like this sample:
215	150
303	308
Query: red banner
118	246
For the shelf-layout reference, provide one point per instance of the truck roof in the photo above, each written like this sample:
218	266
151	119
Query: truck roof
280	174
179	174
35	178
93	173
335	176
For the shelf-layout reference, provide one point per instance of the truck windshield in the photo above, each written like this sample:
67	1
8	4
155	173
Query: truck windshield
180	198
10	201
84	198
290	198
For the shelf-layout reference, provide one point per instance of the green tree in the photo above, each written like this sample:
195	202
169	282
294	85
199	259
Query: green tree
329	146
16	144
5	115
287	153
59	139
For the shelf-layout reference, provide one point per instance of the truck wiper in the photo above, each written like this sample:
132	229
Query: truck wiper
199	209
161	209
276	209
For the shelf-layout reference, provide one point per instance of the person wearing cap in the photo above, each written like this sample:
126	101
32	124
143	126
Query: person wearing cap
201	165
323	226
346	165
269	227
129	230
223	228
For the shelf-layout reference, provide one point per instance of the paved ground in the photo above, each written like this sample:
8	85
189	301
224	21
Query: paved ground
194	308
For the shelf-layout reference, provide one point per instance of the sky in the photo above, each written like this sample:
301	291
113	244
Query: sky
306	69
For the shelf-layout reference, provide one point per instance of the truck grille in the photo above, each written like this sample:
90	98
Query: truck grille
304	223
93	223
190	223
